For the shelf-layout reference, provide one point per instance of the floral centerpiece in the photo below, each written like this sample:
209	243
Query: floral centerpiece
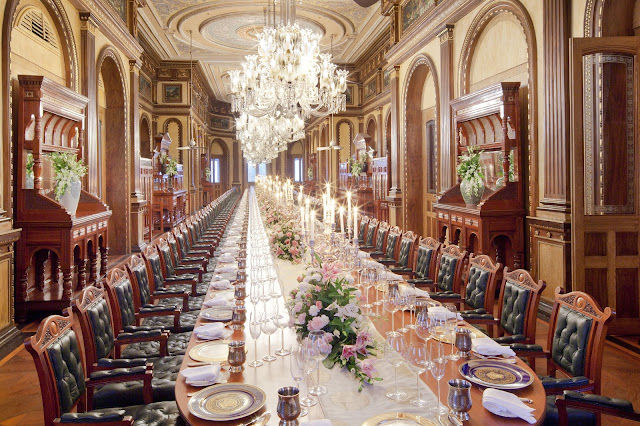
469	170
327	300
285	239
67	170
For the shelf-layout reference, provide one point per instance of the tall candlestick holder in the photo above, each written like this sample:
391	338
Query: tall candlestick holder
312	252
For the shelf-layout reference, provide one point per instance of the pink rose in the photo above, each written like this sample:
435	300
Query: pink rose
319	304
297	307
301	319
287	241
294	243
289	234
318	323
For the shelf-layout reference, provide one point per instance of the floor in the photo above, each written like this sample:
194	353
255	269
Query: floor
21	403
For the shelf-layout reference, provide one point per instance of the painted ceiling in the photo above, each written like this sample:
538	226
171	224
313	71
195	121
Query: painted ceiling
224	30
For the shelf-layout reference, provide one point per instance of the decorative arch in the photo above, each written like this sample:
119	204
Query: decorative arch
479	24
417	65
371	128
145	136
387	135
70	56
225	153
609	18
348	151
165	128
117	187
593	18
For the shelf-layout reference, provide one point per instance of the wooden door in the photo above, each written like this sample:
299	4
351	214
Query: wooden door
604	162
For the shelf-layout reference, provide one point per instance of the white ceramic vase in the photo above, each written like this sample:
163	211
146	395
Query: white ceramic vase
71	197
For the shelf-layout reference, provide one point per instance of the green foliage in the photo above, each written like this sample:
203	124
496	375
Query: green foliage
469	169
355	166
67	169
310	173
30	165
512	166
207	174
172	168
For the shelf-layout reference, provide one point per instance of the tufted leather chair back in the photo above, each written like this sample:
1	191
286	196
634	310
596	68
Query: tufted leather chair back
182	243
124	294
381	238
481	282
404	253
371	232
156	270
577	342
450	268
425	257
165	252
173	245
392	243
518	303
141	280
96	321
187	240
58	359
362	232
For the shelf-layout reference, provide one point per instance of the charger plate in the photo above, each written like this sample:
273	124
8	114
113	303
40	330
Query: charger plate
226	402
398	419
217	313
214	351
496	374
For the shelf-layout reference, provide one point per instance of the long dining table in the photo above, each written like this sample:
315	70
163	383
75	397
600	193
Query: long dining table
273	375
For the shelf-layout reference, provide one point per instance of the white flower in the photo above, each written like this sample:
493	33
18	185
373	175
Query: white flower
336	332
316	277
332	306
358	294
351	310
303	286
313	310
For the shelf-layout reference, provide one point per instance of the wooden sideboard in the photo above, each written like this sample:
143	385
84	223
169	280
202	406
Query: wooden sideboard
488	120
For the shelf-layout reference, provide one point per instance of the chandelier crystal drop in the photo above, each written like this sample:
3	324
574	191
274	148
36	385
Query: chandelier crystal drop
264	137
289	76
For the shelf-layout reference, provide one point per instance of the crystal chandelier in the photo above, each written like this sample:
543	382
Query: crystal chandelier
289	76
264	137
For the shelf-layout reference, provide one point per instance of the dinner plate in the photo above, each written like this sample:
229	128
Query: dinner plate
217	313
399	419
226	402
496	374
213	351
447	337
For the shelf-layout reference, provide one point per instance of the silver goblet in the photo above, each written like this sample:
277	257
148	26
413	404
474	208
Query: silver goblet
459	398
238	318
288	406
237	356
463	341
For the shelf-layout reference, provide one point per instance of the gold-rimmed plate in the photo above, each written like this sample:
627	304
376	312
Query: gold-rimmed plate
496	374
217	313
398	419
475	333
214	351
226	402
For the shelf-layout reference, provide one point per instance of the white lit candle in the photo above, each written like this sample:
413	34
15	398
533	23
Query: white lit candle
302	217
342	219
355	219
348	207
312	226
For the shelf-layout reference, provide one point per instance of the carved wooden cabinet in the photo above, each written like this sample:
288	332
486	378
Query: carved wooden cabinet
379	178
488	120
58	253
169	207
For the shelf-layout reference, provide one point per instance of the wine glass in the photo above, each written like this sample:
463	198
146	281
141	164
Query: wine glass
265	296
417	359
320	350
282	321
411	303
422	328
297	369
367	281
437	364
268	326
255	330
403	304
451	322
394	349
310	365
392	305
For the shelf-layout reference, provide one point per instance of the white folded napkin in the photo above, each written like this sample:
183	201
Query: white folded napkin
442	312
489	347
363	254
212	331
417	291
216	301
221	285
226	269
319	422
226	258
506	404
395	277
206	374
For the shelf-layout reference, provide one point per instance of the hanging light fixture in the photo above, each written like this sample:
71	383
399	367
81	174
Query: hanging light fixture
289	76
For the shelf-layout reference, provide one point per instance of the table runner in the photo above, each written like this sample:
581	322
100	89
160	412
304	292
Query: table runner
343	404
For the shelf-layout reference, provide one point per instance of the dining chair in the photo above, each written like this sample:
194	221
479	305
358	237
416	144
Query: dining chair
170	270
139	277
392	247
67	393
188	261
380	241
155	264
584	408
362	230
405	254
372	228
424	263
518	303
450	264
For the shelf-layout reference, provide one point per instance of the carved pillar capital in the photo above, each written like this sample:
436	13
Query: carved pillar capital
88	22
446	33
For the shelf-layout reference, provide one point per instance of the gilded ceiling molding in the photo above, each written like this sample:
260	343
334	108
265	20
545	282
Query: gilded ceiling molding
480	22
420	60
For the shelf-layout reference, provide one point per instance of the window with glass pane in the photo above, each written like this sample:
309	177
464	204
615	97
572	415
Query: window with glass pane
216	170
297	169
262	169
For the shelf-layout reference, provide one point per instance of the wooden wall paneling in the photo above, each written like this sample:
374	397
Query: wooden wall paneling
556	31
89	77
8	329
395	191
137	197
237	166
447	158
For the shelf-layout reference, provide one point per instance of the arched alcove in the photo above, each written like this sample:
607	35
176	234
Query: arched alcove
421	82
371	131
218	150
113	139
344	132
145	138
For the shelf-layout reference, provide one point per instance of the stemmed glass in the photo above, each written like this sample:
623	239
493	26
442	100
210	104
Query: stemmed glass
282	321
422	326
297	370
394	350
437	364
254	295
411	303
392	305
310	365
268	327
367	281
403	303
451	322
255	329
417	359
265	296
320	350
379	279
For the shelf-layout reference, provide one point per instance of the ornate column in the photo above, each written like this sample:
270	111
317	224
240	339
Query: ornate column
395	193
447	159
237	163
380	131
88	26
137	197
